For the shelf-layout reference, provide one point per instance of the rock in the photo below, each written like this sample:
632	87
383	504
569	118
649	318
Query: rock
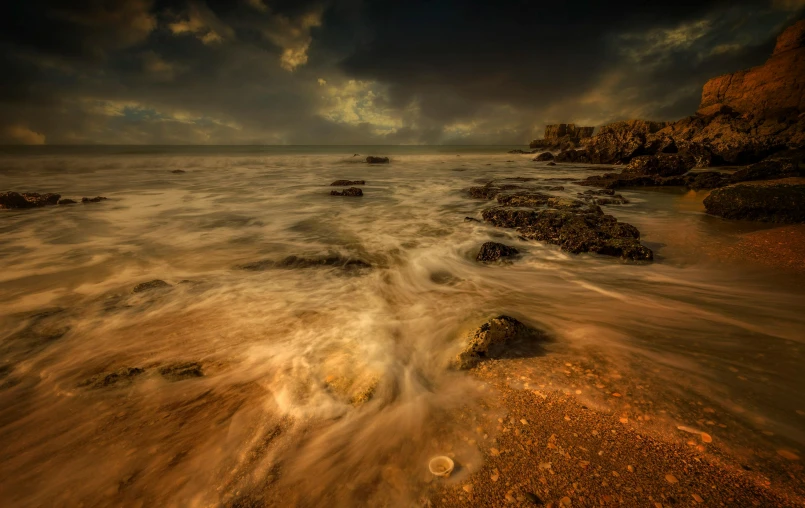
495	332
774	201
486	192
178	171
707	180
181	370
351	192
347	183
620	141
778	84
526	199
600	192
573	156
608	199
11	200
471	219
663	164
294	262
96	199
493	251
121	377
784	165
518	151
377	160
147	286
551	164
574	232
563	136
544	156
67	202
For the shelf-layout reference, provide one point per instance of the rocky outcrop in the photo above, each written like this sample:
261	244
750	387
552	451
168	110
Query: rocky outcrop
354	192
486	341
67	201
543	157
573	156
347	183
493	251
12	200
663	164
181	370
782	165
776	85
563	136
773	201
574	232
620	141
377	160
148	286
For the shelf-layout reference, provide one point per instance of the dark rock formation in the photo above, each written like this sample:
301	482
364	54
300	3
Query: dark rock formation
706	180
377	160
782	165
347	183
178	171
518	151
493	251
603	197
154	284
778	84
67	202
121	377
544	156
471	219
351	192
12	200
573	232
524	199
551	164
293	262
96	199
662	165
563	137
486	341
487	191
576	156
620	141
180	371
774	201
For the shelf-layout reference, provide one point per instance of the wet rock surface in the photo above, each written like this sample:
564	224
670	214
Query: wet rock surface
151	285
296	262
67	201
377	160
563	136
488	339
181	370
781	201
119	378
783	165
21	200
660	165
96	199
574	232
178	171
543	157
347	183
354	192
573	156
493	251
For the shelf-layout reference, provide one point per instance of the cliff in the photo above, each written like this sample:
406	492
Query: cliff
562	136
776	85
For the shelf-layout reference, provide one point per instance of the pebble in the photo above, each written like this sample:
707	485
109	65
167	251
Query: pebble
467	488
706	437
671	479
698	498
788	454
630	469
494	452
565	501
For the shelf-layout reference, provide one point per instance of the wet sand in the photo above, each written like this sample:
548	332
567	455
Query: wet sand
549	449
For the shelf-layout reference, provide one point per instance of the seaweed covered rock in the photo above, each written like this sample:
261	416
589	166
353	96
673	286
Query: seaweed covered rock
574	232
11	200
780	201
495	332
353	192
493	251
377	160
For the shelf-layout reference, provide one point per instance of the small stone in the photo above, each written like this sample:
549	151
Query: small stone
616	394
624	420
787	454
524	421
545	465
630	469
533	498
671	479
494	477
706	438
467	488
509	497
698	498
565	501
494	452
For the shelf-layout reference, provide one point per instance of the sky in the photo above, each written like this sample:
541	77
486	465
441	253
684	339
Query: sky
361	71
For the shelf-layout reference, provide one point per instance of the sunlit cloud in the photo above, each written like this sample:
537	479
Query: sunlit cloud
356	102
21	135
199	21
293	36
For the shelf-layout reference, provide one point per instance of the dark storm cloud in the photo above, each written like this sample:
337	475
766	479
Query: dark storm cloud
352	71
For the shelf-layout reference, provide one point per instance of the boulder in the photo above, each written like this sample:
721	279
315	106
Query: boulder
524	199
351	192
347	183
178	171
663	164
11	200
484	192
620	141
493	251
707	180
148	286
96	199
551	164
544	156
485	342
67	202
573	232
377	160
772	201
518	151
784	165
573	156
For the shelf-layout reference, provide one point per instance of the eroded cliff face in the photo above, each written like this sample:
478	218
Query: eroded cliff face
563	136
776	85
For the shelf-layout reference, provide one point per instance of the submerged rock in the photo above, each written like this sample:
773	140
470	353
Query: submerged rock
603	197
347	183
12	200
518	151
574	232
67	201
495	332
351	192
775	201
471	219
293	262
96	199
121	377
493	251
181	370
551	164
484	192
178	171
377	160
544	156
153	284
